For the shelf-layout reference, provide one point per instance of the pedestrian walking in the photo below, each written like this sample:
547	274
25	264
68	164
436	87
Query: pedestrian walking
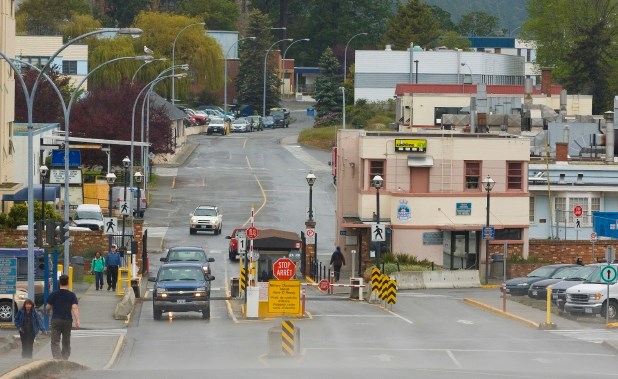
336	260
62	304
29	323
112	264
97	267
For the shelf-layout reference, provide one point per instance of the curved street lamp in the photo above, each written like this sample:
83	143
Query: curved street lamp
174	56
144	64
225	73
345	55
283	62
488	185
265	61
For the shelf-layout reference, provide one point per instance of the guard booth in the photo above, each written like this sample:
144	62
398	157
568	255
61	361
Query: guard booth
272	244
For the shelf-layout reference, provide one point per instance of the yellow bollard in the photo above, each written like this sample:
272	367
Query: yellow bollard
548	324
61	271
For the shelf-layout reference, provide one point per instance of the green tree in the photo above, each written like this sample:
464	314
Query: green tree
45	17
78	25
121	13
479	24
327	94
217	14
444	18
413	22
453	40
107	49
18	215
578	39
250	79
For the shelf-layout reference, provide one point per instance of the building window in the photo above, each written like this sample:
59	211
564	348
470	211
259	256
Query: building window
515	176
36	61
508	234
560	208
69	67
377	168
473	175
531	219
575	201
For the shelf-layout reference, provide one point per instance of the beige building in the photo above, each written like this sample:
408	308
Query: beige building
7	99
432	200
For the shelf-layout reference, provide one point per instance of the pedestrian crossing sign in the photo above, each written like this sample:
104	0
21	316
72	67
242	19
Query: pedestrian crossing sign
110	225
378	232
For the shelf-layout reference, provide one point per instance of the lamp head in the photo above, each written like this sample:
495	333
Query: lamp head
180	75
305	39
488	183
311	178
608	116
145	58
43	170
184	67
111	178
126	162
134	32
138	177
463	64
377	182
251	38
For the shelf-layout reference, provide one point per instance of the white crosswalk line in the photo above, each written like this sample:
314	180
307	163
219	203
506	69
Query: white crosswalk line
97	332
589	335
165	171
306	158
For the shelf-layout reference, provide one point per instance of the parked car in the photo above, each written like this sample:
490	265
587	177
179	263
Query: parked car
256	122
281	117
88	216
216	125
200	118
7	304
538	290
206	218
589	273
519	286
211	112
268	122
188	254
181	287
241	125
233	245
217	108
590	298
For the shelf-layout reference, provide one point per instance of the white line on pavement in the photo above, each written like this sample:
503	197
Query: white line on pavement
401	317
450	354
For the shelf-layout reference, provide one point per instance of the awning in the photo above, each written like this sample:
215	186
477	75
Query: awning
420	161
52	192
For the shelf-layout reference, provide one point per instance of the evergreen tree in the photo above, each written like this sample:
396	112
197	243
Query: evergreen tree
413	23
217	14
45	17
479	24
327	94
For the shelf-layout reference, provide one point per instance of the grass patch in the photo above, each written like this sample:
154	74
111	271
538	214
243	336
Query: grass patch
321	138
87	278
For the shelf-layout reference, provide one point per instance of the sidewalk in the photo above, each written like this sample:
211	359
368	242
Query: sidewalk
94	345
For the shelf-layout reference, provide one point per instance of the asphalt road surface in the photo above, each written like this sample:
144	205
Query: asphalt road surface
427	334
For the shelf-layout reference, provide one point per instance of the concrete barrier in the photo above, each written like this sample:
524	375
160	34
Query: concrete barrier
43	369
125	305
437	279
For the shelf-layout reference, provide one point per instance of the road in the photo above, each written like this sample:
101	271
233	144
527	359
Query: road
427	334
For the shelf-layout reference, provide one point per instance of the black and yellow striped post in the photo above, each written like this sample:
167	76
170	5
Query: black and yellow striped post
384	287
243	279
288	342
375	276
391	293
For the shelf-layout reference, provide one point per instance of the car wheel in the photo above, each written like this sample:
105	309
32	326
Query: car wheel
192	231
157	313
209	133
6	311
206	312
613	310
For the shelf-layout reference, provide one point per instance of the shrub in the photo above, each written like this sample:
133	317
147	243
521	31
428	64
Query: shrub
328	119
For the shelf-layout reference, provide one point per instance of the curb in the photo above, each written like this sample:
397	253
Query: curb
489	308
38	369
611	345
612	325
490	286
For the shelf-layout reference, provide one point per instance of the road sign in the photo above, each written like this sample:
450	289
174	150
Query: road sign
241	237
284	297
110	225
310	235
8	275
608	274
378	232
284	269
578	211
252	232
125	208
489	232
323	285
578	223
593	236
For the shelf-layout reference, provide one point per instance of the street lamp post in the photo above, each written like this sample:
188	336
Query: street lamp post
283	62
138	179
126	162
309	224
174	57
311	181
377	183
265	61
144	64
343	93
43	170
488	184
225	74
416	70
345	55
111	179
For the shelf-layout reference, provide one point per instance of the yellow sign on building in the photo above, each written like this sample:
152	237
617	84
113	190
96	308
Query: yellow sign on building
284	297
410	145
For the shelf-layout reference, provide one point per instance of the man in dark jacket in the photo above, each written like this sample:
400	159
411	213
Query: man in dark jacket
337	260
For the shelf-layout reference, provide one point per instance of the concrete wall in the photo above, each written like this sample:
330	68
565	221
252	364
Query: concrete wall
7	95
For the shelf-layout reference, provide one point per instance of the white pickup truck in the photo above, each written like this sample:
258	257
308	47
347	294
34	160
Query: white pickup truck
591	299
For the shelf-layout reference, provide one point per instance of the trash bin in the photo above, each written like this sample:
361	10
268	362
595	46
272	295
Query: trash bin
310	112
496	270
235	287
78	268
356	292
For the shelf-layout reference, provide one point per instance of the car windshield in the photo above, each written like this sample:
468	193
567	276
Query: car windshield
595	276
88	215
205	212
186	256
268	118
542	272
240	122
583	273
168	274
566	272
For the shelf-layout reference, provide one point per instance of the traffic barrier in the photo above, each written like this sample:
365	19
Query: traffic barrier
391	292
288	340
383	286
437	279
375	276
243	279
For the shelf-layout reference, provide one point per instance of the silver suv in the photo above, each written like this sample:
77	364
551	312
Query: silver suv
206	218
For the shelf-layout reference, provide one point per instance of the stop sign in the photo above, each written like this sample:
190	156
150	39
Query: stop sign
252	233
284	269
578	211
323	285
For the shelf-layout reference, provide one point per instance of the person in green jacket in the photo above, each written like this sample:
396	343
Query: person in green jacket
98	266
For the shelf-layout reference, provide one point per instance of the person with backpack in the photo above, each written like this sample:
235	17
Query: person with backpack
336	260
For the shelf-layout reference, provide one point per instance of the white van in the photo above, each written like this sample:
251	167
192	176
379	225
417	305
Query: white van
88	216
118	198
